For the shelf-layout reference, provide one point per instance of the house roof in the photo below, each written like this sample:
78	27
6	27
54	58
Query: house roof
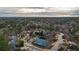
41	42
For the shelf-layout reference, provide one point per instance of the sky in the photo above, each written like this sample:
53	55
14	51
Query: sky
39	3
38	11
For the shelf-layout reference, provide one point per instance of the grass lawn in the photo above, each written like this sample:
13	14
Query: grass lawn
4	43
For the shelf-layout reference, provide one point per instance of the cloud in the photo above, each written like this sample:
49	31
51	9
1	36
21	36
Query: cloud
38	11
30	10
75	11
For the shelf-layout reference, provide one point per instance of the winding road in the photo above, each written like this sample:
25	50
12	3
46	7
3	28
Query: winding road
59	41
